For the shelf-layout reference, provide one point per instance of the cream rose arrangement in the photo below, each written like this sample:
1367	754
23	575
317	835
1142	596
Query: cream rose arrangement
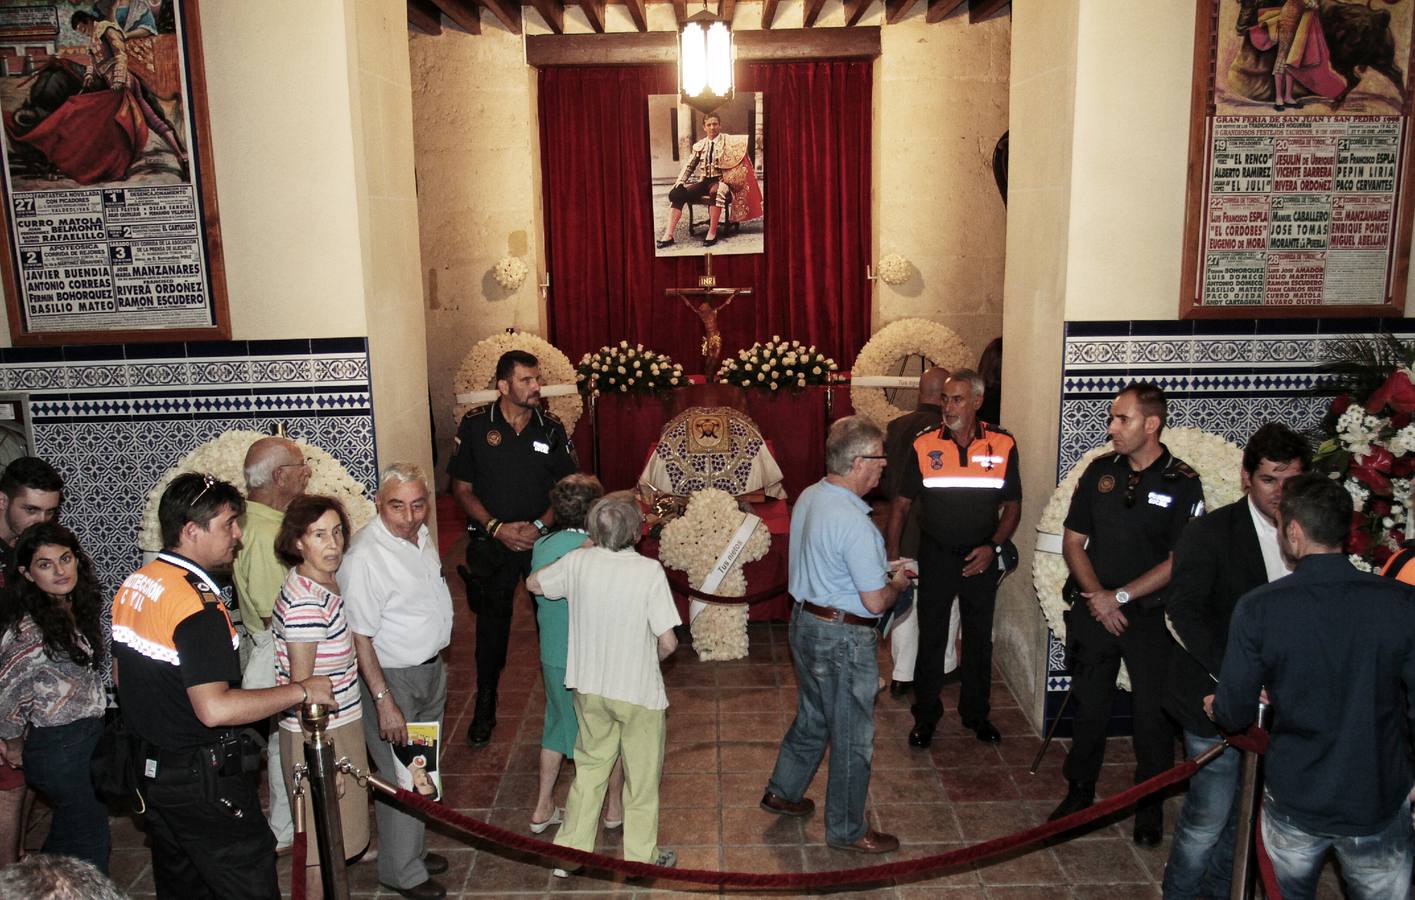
893	269
510	272
691	544
777	364
225	458
478	373
1217	461
628	368
889	347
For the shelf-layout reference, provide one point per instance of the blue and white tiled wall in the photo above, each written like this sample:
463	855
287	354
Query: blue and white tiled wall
114	418
1224	376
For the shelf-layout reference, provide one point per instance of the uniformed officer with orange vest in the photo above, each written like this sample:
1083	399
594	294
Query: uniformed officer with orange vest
965	475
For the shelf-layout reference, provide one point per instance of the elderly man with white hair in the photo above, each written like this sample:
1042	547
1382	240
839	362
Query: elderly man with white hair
621	627
276	473
400	611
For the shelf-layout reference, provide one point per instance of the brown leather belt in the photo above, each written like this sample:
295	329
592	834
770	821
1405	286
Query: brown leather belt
831	614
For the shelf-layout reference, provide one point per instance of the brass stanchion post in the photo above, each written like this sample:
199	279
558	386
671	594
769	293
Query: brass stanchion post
329	833
1250	788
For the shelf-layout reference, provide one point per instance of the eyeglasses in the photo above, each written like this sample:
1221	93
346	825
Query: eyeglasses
874	457
302	464
206	482
1132	481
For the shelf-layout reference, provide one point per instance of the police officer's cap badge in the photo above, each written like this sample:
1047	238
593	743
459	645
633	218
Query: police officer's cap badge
1106	484
493	438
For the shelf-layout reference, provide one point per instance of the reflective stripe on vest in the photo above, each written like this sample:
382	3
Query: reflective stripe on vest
983	465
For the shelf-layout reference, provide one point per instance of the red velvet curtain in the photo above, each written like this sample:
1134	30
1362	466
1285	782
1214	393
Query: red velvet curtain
606	283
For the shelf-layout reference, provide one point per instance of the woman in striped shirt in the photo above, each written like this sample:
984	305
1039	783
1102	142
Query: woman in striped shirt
312	637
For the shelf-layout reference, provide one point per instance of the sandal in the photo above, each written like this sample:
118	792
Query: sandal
556	818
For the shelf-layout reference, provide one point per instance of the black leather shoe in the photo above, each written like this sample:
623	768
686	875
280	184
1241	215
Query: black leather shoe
483	719
986	731
428	890
662	244
435	863
900	689
1148	835
708	242
922	735
1079	795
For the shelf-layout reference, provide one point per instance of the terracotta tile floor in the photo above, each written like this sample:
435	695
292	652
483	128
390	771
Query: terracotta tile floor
725	723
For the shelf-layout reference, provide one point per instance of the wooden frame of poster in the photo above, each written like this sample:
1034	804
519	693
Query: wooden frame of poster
111	230
1302	209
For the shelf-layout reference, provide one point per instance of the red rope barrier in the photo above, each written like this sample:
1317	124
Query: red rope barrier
299	855
802	880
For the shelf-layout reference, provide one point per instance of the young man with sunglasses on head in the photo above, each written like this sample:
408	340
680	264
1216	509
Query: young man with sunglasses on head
1126	517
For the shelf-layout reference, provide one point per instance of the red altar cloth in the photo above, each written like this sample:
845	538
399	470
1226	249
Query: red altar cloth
765	573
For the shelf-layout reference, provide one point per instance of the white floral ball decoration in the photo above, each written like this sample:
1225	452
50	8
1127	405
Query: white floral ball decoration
478	373
225	458
889	347
691	544
1217	461
893	269
510	272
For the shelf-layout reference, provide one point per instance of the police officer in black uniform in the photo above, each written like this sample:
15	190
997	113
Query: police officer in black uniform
965	475
507	457
1131	505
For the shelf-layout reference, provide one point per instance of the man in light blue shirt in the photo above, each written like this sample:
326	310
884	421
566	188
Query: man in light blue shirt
841	583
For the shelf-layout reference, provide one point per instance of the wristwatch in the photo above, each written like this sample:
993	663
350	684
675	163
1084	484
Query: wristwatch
381	694
997	550
540	526
1122	597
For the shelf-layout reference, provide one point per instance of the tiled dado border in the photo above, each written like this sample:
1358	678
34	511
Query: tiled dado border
112	419
1227	377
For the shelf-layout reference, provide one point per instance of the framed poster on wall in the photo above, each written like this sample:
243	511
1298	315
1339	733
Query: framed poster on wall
111	229
1299	194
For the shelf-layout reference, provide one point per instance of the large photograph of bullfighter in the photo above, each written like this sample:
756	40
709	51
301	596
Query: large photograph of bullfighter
1313	57
93	94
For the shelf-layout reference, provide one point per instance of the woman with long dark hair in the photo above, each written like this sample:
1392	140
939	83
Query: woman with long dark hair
51	684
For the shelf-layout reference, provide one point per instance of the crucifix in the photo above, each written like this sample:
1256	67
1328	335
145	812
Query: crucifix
707	300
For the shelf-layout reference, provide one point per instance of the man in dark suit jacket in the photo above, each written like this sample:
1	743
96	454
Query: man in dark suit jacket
1220	558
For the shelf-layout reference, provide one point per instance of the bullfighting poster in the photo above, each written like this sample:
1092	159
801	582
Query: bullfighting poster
709	176
111	227
1299	183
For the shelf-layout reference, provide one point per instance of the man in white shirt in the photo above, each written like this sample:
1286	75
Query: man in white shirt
1220	557
400	611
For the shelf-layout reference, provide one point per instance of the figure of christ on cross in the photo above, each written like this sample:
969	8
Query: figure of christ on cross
701	300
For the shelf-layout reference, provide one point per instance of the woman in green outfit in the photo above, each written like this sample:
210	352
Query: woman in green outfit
571	499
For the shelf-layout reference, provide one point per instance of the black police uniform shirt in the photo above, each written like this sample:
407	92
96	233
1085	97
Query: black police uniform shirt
511	473
1133	519
962	488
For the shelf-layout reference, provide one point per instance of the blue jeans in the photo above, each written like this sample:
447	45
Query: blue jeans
1375	866
1201	856
837	677
56	765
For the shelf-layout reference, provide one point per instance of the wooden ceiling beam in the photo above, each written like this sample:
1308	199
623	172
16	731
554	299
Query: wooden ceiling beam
631	48
636	12
594	11
982	10
680	12
508	11
768	13
854	9
813	11
896	10
939	9
725	9
553	12
463	13
425	17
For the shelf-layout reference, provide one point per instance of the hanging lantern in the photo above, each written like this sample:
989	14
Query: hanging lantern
705	58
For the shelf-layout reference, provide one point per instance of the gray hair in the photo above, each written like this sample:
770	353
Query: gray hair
402	472
262	460
572	497
975	381
615	521
849	439
44	876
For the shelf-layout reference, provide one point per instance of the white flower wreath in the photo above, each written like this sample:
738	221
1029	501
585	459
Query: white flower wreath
225	458
478	373
882	354
692	543
510	272
1216	460
893	269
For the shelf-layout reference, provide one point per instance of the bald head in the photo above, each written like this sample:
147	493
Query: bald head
931	385
275	472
